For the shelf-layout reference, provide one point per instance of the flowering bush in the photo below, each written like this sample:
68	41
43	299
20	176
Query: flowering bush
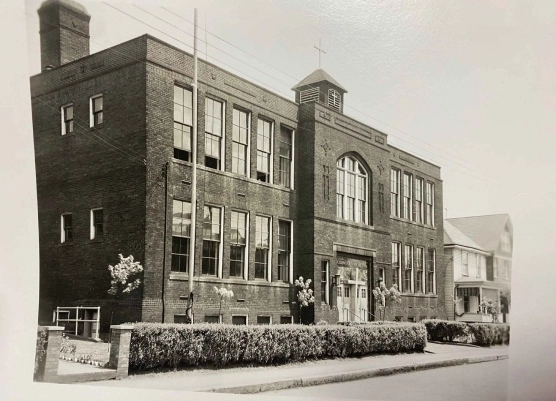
170	345
222	293
40	351
491	308
67	346
385	297
121	275
305	294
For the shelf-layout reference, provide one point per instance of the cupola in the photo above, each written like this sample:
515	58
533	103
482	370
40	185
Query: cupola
320	87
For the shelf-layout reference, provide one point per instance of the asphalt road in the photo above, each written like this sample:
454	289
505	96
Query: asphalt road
485	381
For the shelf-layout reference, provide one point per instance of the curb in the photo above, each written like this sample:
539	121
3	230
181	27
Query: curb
350	376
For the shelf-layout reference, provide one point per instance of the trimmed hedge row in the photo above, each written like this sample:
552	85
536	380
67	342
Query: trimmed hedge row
476	333
156	345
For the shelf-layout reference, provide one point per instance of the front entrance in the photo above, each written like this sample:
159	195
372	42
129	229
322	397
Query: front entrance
352	294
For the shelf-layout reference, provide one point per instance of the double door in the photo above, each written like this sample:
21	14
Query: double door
352	302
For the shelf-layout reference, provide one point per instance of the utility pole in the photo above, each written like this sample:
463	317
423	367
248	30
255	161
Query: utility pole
194	177
165	173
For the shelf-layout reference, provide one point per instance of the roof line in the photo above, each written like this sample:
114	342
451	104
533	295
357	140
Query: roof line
481	215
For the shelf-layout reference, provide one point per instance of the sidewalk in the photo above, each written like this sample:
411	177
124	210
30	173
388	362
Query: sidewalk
267	378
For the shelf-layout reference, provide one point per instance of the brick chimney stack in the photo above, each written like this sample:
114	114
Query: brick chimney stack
64	30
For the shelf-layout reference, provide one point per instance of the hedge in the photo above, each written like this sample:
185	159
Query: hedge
476	333
155	345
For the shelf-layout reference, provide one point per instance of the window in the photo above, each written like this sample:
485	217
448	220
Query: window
240	142
395	193
324	282
97	223
363	293
67	228
407	195
211	241
265	320
212	319
411	319
262	246
419	200
465	263
396	257
381	273
430	204
238	244
346	291
214	133
478	261
351	190
181	319
398	318
419	265
96	105
286	319
338	291
239	320
67	119
466	307
264	151
181	231
286	157
431	268
183	121
334	99
284	250
408	269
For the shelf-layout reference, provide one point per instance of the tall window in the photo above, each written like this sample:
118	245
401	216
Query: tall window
264	150
240	142
181	232
183	121
419	265
395	193
324	282
67	228
211	240
213	133
465	263
262	246
396	258
407	195
351	190
430	204
419	200
97	223
284	250
96	105
238	244
67	119
286	152
431	268
408	269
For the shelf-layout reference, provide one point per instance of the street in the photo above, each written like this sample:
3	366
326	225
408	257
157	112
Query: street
482	381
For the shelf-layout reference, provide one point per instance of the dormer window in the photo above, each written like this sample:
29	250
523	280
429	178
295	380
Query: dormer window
334	99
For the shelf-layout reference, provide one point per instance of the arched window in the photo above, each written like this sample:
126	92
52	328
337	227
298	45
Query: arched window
351	190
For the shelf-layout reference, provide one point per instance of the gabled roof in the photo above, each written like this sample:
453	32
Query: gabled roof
453	236
316	77
485	231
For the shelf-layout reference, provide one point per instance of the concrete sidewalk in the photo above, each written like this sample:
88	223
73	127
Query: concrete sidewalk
267	378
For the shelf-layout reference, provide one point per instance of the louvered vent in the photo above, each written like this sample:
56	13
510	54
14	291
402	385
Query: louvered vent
309	95
333	99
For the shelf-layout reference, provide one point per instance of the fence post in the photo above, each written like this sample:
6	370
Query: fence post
119	349
49	371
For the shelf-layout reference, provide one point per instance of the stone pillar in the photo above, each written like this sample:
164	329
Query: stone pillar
49	370
119	349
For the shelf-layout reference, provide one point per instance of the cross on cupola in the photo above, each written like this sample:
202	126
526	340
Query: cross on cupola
320	51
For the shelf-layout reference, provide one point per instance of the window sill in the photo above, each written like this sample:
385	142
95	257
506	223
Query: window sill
67	243
213	279
400	219
418	295
96	127
96	240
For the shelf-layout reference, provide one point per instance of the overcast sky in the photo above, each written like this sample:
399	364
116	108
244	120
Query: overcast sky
468	85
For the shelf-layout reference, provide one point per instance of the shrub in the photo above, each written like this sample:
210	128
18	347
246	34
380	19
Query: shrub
476	333
373	323
170	345
40	351
445	330
489	333
67	346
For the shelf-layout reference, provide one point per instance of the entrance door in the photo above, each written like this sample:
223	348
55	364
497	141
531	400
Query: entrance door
361	303
344	297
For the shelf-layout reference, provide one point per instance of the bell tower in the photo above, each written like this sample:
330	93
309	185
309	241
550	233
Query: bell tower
322	88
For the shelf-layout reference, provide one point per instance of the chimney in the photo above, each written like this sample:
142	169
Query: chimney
64	30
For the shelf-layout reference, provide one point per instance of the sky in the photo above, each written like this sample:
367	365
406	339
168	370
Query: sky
469	85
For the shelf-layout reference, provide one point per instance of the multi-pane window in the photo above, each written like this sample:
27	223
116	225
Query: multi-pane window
97	223
286	151
181	232
284	250
363	293
396	258
346	291
351	190
264	150
97	110
213	133
67	228
262	246
430	204
239	320
240	142
67	119
324	281
408	268
238	244
431	268
465	263
183	121
407	195
419	200
419	265
395	192
211	240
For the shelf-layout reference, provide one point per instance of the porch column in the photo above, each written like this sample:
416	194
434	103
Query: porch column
119	349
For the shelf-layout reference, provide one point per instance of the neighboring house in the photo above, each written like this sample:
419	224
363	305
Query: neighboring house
285	189
479	254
